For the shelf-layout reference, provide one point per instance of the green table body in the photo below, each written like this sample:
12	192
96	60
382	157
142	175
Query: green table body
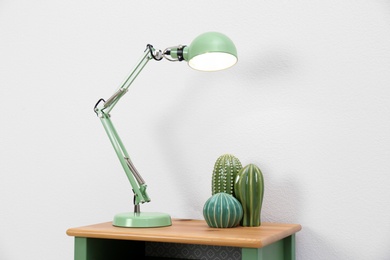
103	241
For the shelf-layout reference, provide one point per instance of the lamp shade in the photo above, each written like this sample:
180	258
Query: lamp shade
211	51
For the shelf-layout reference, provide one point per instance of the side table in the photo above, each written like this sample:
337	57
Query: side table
270	241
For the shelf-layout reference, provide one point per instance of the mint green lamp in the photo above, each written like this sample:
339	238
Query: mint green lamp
210	51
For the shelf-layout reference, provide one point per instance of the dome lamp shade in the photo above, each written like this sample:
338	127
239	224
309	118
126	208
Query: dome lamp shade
211	51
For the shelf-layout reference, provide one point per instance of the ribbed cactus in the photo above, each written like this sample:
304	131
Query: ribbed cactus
222	211
249	190
225	171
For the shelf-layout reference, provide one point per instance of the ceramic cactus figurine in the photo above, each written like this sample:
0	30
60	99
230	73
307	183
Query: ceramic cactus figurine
225	171
249	190
222	211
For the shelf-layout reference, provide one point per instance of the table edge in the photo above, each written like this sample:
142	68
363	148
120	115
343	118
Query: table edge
80	232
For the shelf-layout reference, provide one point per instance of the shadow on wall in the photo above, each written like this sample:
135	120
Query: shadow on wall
270	64
169	135
283	200
314	247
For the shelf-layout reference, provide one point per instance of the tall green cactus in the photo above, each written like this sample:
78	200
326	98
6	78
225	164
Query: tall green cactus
249	190
225	171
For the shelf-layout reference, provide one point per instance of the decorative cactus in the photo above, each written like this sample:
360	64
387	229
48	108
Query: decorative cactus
225	171
249	190
222	211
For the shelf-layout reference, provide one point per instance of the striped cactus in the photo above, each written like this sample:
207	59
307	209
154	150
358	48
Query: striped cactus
222	211
225	171
249	190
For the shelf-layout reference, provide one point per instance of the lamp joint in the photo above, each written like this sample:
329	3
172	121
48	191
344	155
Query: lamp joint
156	54
96	109
175	53
180	55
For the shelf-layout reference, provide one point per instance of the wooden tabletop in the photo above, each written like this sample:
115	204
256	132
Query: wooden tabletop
188	231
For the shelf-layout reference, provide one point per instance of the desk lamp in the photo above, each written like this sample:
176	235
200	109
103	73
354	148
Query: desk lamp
210	51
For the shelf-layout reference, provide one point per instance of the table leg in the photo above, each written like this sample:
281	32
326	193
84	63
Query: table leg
280	250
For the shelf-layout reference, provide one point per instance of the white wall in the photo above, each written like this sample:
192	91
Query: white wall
308	103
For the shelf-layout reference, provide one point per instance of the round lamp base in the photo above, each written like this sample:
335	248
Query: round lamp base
143	219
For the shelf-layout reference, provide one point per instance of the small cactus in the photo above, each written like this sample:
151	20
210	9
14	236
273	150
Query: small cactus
225	171
222	211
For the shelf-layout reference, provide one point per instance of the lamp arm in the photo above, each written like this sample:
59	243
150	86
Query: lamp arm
103	109
111	102
137	183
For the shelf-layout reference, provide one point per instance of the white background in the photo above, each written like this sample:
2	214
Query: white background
308	103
